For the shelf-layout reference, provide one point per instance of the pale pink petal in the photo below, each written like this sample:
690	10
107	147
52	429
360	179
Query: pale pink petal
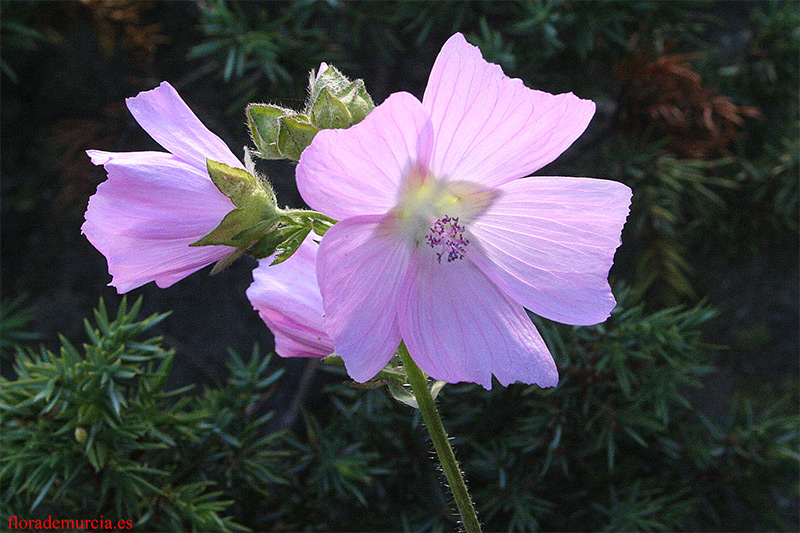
148	211
458	326
169	121
322	68
287	298
358	171
360	268
490	128
549	243
135	262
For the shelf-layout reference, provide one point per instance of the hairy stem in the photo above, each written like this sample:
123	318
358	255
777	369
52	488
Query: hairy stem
419	386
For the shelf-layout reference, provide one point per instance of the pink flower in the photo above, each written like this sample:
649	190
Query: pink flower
288	300
155	204
441	245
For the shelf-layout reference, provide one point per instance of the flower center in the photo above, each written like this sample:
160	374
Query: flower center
436	212
447	236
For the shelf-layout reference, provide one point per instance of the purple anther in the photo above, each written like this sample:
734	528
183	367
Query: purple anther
448	234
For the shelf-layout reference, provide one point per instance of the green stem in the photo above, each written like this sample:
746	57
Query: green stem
419	385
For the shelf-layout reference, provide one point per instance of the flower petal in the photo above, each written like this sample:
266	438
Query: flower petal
146	214
490	128
287	298
358	171
169	121
458	326
360	268
549	242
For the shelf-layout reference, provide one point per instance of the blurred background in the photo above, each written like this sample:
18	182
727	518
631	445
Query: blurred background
697	112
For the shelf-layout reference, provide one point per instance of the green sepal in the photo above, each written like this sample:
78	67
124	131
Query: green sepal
239	185
402	393
320	226
331	79
318	222
225	232
294	238
264	123
390	372
357	100
255	207
353	94
329	112
226	261
285	234
279	239
294	136
284	240
268	244
254	233
394	377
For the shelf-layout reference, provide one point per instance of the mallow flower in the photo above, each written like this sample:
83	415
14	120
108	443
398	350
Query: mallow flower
442	245
288	300
155	204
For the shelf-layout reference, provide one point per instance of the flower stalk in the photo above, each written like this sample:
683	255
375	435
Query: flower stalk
444	451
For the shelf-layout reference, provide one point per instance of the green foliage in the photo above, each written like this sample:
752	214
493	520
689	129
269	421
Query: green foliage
676	202
765	207
617	445
16	34
769	72
267	46
93	431
15	317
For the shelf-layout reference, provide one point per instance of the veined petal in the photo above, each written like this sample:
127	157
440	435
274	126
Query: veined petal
458	326
287	298
145	187
358	171
165	116
490	128
549	242
360	268
146	214
132	262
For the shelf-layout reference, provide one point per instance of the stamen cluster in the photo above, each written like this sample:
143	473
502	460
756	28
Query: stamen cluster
447	233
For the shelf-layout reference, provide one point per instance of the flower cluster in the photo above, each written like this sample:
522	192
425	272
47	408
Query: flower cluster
442	242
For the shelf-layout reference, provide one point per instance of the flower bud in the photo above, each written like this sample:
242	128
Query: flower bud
264	123
329	78
294	135
357	100
329	112
333	102
352	95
